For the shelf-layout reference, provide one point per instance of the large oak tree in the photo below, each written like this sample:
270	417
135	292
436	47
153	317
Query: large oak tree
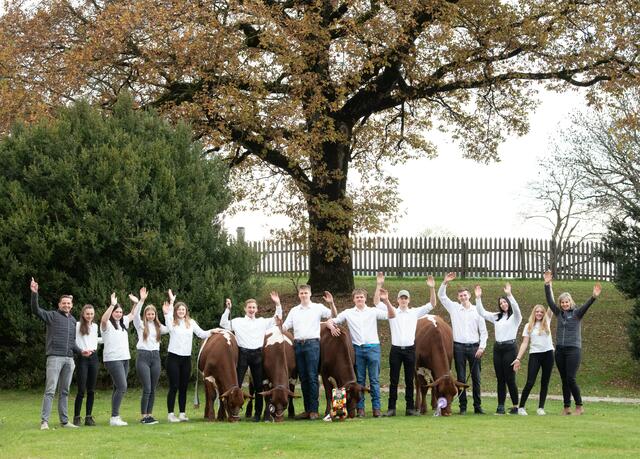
312	90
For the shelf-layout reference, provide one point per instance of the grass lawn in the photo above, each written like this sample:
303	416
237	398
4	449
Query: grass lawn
606	430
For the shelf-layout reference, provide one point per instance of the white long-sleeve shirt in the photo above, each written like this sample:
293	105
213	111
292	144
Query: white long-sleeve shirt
305	320
249	332
403	325
506	329
363	323
88	342
116	342
468	327
181	336
151	343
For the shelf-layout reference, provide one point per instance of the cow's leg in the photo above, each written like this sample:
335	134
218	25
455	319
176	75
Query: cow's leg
222	412
423	391
291	409
327	392
249	411
210	395
418	400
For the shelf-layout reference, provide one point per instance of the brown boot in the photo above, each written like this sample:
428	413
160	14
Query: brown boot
566	412
579	410
376	413
360	413
301	416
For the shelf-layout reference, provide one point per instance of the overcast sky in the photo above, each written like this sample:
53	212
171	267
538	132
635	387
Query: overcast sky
462	197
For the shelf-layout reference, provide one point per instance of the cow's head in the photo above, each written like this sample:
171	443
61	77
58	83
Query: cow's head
447	388
278	401
354	392
233	399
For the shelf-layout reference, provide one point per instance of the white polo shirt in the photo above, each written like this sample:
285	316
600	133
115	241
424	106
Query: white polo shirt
305	320
403	325
363	323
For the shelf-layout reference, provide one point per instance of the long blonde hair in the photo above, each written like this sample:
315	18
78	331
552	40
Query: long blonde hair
187	318
544	326
156	323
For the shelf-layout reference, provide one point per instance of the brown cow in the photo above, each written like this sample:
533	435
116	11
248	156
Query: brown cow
434	353
217	361
337	361
279	364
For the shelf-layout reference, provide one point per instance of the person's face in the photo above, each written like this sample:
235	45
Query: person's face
181	312
65	305
88	314
539	314
359	299
304	295
403	301
463	296
565	304
150	315
250	309
504	305
117	314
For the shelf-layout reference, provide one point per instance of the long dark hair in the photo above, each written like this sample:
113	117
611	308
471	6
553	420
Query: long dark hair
84	324
500	311
113	321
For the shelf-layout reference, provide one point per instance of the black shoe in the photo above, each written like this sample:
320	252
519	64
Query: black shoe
411	412
256	419
77	420
463	411
88	421
150	420
390	412
478	410
143	420
513	410
500	409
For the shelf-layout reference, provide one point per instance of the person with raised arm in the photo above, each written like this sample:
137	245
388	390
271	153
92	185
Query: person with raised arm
249	331
114	325
60	348
305	319
403	321
569	340
469	340
86	366
362	321
506	323
148	366
537	332
181	330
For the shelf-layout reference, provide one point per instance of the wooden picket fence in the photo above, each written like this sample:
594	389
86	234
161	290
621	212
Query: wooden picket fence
468	257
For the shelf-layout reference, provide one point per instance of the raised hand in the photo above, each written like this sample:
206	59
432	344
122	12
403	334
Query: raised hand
33	286
227	303
478	291
143	293
547	276
449	277
114	299
507	289
275	297
133	298
597	289
379	278
328	297
431	282
166	307
172	297
384	294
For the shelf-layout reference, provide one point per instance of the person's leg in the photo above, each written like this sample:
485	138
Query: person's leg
546	360
361	371
461	373
256	373
82	373
532	373
476	367
500	376
64	386
373	368
185	375
395	361
574	355
509	356
173	374
241	368
562	369
155	377
118	370
54	366
303	374
312	351
92	379
409	363
143	368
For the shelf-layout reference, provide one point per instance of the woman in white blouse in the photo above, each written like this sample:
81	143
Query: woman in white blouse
86	366
506	322
181	330
538	333
116	356
147	353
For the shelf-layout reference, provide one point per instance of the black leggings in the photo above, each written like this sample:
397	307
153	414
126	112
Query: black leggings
87	375
537	360
503	355
568	362
179	372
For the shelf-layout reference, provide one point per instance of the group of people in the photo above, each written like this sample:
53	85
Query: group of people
66	338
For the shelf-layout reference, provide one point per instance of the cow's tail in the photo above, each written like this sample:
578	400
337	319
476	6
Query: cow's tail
196	398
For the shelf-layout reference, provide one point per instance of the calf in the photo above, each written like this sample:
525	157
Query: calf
279	362
337	360
434	353
217	361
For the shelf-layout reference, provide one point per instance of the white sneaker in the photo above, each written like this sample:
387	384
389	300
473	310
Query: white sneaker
183	417
117	421
172	418
522	412
44	425
541	412
69	425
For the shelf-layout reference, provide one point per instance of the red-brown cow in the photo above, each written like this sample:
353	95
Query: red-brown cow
337	360
279	364
217	361
434	353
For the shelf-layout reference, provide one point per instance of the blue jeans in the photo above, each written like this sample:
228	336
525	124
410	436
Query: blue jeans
368	360
307	361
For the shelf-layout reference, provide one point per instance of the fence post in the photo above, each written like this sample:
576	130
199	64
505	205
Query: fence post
240	234
523	267
399	270
464	256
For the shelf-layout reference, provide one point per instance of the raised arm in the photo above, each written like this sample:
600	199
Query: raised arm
442	292
514	304
328	298
224	320
35	308
384	296
137	304
548	291
582	310
433	299
167	311
276	299
379	284
107	314
490	316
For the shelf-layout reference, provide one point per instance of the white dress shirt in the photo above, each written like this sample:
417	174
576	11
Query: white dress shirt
539	341
468	327
305	320
363	323
88	342
249	332
152	343
506	329
403	325
181	336
116	342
